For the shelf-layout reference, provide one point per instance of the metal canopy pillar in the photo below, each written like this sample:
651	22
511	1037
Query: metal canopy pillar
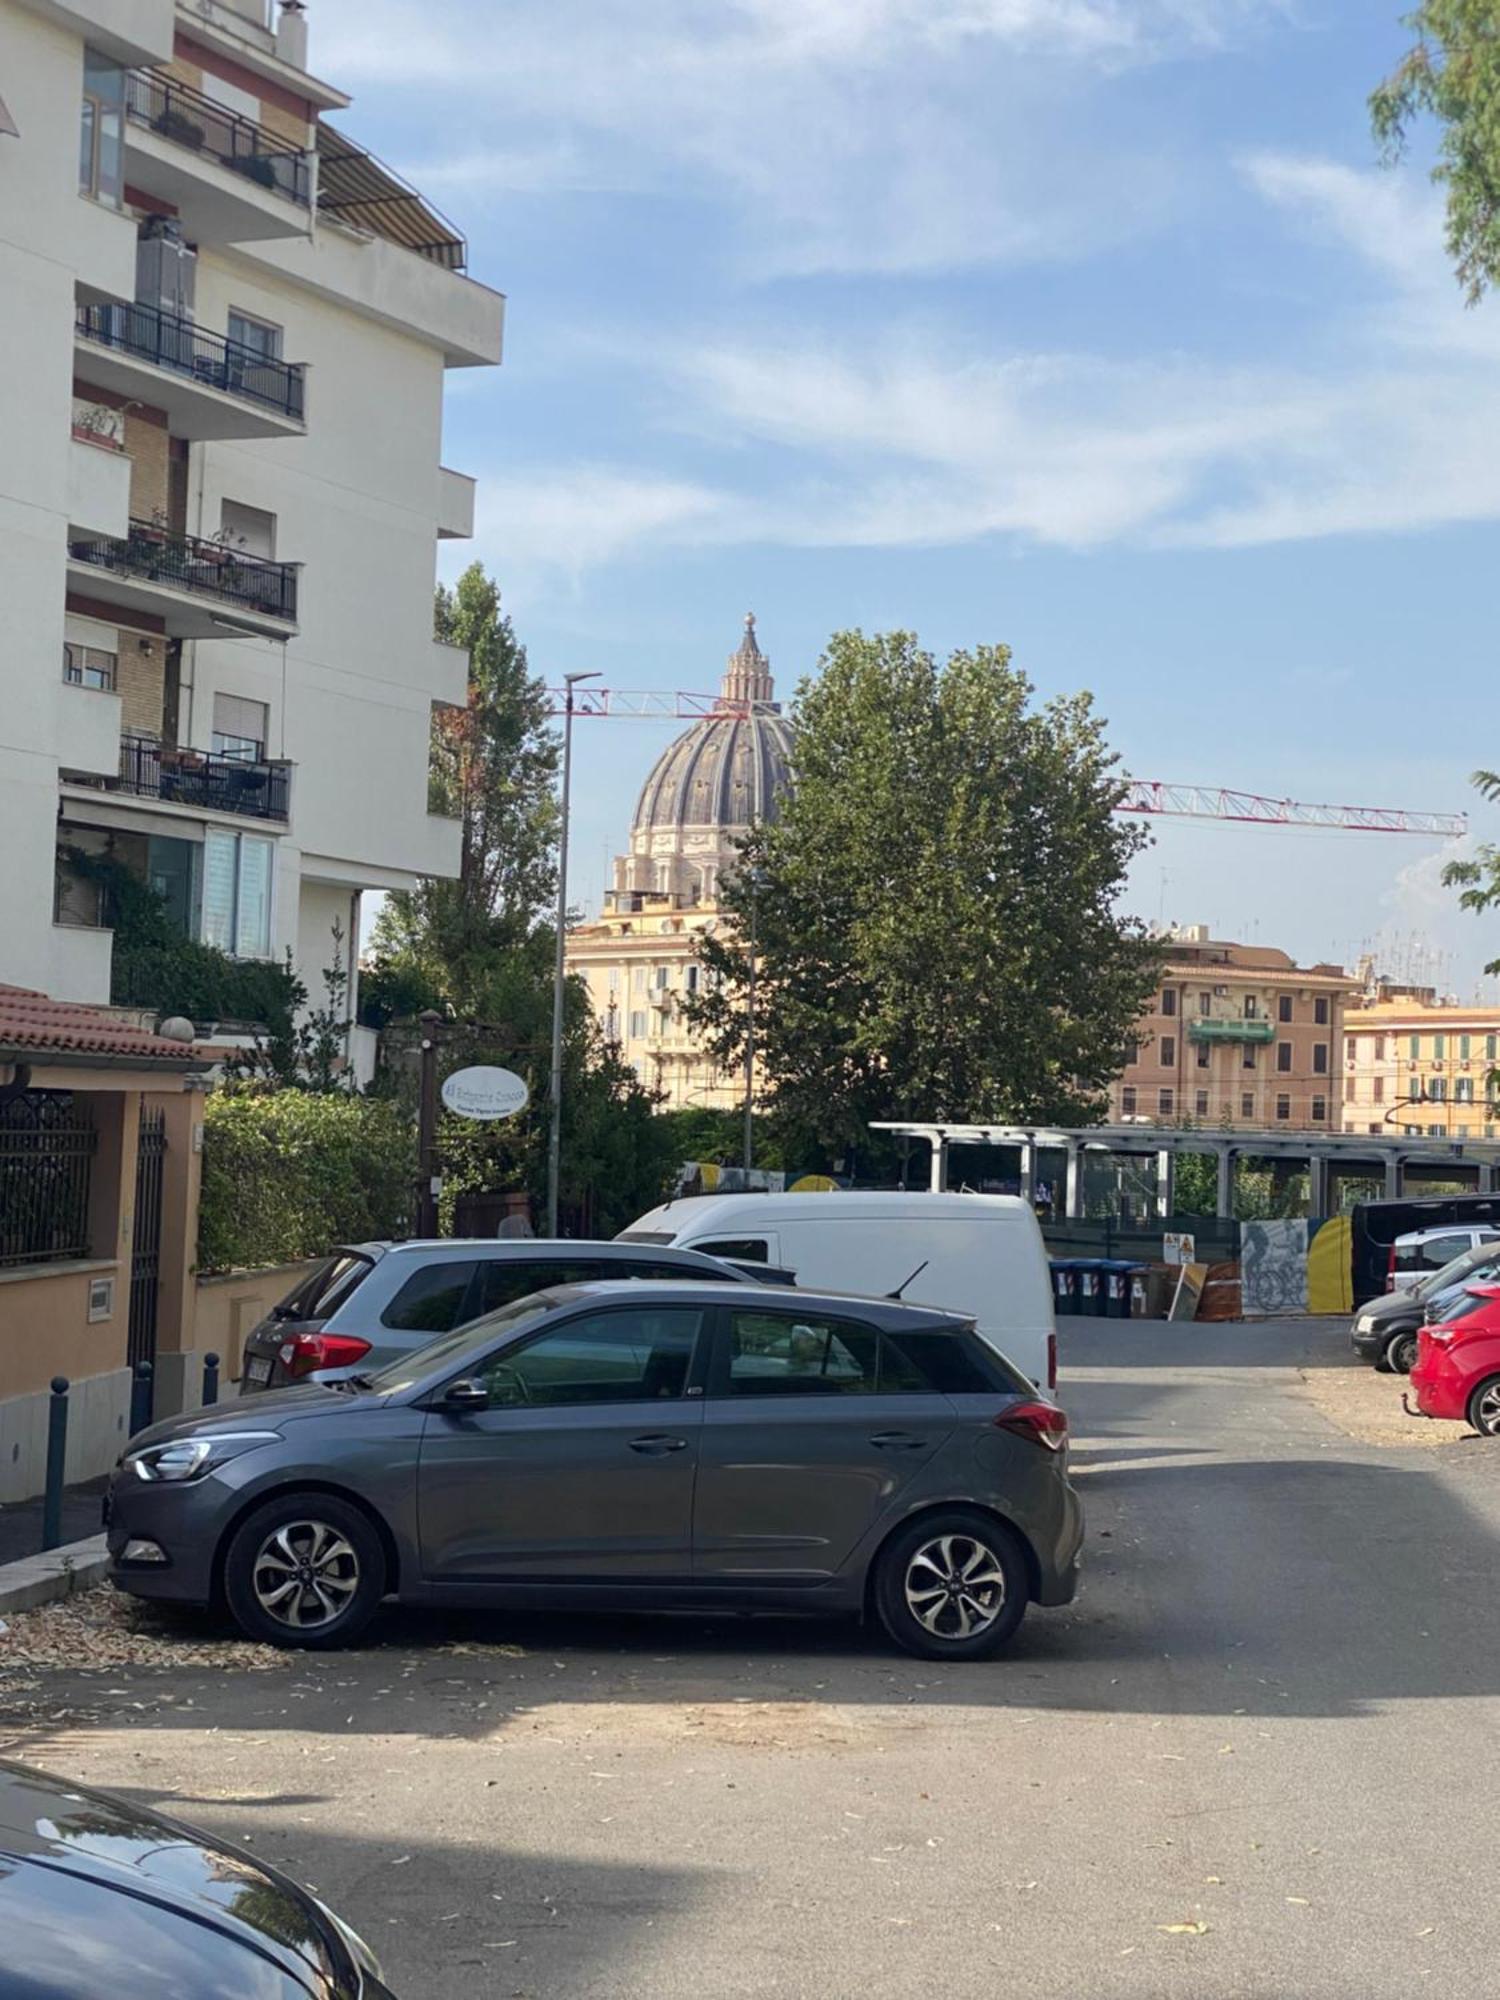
1028	1169
939	1182
1392	1176
1073	1187
1226	1157
1166	1182
1317	1183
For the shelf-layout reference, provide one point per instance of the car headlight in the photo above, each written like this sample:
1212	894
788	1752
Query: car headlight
190	1457
1364	1323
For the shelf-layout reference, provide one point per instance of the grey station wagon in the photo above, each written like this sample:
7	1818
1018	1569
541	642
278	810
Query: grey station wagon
372	1303
626	1444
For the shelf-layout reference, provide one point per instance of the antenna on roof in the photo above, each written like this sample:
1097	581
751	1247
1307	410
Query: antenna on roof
906	1281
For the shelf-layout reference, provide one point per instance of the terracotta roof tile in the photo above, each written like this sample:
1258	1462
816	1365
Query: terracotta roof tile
32	1021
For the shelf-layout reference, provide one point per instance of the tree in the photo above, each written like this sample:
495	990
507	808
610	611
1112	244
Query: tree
1478	878
494	768
1452	73
934	908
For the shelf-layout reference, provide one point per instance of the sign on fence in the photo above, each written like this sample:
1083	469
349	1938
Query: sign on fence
483	1092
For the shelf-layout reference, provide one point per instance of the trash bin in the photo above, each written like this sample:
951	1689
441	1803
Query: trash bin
1064	1287
1093	1298
1118	1275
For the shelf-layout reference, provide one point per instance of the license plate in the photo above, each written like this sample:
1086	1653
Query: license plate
257	1371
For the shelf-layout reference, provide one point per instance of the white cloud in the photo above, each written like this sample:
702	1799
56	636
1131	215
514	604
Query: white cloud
573	518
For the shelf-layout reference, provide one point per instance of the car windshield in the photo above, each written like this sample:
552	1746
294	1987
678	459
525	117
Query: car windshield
454	1349
1466	1304
1469	1262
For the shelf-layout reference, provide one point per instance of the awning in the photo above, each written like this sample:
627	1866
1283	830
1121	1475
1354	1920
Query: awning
355	187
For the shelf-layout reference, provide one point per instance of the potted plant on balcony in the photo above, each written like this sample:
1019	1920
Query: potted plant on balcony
259	167
175	124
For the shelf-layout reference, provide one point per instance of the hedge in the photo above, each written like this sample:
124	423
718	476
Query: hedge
286	1175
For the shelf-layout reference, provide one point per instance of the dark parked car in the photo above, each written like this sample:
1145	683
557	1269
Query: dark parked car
373	1303
1385	1331
1375	1225
102	1900
626	1444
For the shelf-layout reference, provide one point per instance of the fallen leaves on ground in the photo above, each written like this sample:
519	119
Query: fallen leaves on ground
1194	1927
102	1629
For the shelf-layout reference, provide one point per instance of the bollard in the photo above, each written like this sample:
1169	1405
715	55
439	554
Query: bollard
57	1453
140	1397
210	1378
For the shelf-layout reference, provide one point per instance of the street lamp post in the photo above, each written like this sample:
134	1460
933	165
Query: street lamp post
559	969
749	1148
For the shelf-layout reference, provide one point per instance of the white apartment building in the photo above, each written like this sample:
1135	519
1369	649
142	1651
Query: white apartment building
224	329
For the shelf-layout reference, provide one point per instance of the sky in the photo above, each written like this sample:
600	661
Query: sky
1092	326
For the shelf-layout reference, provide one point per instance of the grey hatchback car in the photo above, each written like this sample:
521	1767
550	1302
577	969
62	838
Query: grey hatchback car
626	1444
373	1303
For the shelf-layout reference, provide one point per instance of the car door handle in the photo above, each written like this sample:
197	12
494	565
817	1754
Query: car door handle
897	1441
657	1446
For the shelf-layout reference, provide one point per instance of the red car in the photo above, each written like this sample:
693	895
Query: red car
1457	1370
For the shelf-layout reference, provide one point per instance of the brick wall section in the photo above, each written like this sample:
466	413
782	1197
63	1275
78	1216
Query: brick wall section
147	442
142	681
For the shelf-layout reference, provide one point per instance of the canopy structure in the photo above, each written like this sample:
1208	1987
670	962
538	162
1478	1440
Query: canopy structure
355	187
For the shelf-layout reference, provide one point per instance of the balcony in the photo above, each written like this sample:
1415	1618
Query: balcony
199	780
1208	1029
228	179
208	387
197	588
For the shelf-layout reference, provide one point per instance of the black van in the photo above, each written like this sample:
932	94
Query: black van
1376	1225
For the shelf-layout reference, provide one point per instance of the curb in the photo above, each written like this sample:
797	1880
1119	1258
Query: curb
59	1573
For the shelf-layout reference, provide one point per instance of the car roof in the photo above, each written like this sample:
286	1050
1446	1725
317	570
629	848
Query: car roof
894	1315
1443	1229
521	1246
766	1210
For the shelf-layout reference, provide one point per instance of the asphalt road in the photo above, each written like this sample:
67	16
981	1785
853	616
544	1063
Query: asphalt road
1271	1717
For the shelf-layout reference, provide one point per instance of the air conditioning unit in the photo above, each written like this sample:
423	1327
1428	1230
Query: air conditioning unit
166	270
1221	992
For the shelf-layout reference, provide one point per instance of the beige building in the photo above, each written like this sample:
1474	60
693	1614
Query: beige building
639	958
1417	1066
1236	1036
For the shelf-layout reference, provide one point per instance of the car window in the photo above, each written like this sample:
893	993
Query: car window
748	1249
658	1273
506	1279
316	1295
792	1354
960	1364
1464	1305
436	1298
623	1356
451	1351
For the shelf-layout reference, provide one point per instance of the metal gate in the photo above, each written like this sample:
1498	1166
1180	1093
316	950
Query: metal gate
145	1254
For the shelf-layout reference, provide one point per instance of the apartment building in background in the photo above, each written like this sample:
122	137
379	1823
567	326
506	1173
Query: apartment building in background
226	328
1417	1066
1236	1036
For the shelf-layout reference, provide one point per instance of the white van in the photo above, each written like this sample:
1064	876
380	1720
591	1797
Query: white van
974	1253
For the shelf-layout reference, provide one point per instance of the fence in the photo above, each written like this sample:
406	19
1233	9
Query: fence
1216	1239
47	1146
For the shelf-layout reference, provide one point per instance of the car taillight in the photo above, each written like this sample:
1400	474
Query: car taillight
1040	1423
1051	1360
1390	1270
305	1353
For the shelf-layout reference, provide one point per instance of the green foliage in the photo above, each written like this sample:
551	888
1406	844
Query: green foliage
1479	876
155	966
494	768
934	908
1452	73
309	1053
287	1174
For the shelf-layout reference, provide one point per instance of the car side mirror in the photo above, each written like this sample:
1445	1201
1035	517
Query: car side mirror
465	1394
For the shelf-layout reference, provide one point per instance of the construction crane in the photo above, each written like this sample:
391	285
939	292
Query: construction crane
1148	796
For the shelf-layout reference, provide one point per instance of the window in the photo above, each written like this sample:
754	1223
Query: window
437	1298
1200	1104
1439	1047
1463	1090
1379	1092
790	1354
258	335
1132	1055
1320	1110
638	1024
690	978
1380	1048
1351	1089
248	529
1320	1058
237	893
101	150
1284	1007
1252	1007
638	984
614	979
1283	1107
1169	1001
1437	1089
1205	1056
744	1249
628	1356
1491	1042
90	667
1418	1090
503	1280
1168	1051
241	728
1247	1104
1436	1132
1415	1050
1205	1003
1463	1048
1247	1056
1127	1101
1284	1057
1375	1128
1320	1010
1164	1103
663	976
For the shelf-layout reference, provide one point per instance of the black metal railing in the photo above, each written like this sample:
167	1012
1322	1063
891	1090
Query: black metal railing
195	121
47	1146
149	334
187	562
152	770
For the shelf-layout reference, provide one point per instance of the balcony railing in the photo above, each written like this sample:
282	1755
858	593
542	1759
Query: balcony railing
152	770
1235	1030
195	121
187	562
149	334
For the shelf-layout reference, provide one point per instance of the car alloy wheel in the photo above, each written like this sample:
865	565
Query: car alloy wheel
1484	1407
1401	1352
304	1575
955	1586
